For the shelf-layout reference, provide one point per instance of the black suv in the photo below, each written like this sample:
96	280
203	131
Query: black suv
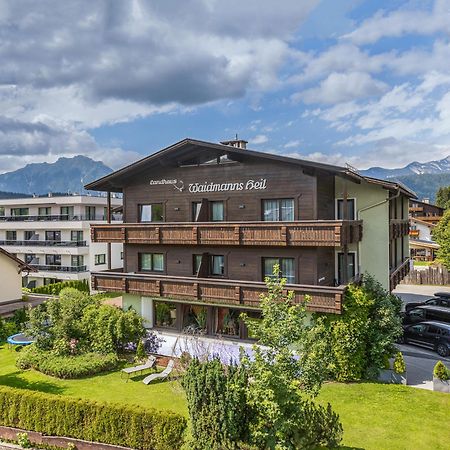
432	335
439	299
426	312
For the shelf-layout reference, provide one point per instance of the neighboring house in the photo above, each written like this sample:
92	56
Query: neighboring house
11	269
205	223
52	234
421	244
425	211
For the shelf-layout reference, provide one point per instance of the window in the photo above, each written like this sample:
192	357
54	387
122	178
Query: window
53	260
44	211
151	262
2	210
417	313
286	266
121	255
417	329
54	236
19	211
11	235
50	281
278	210
151	213
76	236
165	314
66	212
30	258
351	267
197	260
30	235
217	211
217	265
196	208
351	209
77	260
90	212
100	259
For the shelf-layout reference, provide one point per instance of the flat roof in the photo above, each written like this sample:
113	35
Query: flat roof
184	151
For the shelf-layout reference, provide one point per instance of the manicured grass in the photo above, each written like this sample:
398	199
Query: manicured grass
377	416
423	263
374	416
104	387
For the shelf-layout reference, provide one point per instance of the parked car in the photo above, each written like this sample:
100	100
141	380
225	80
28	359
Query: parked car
426	312
440	299
430	334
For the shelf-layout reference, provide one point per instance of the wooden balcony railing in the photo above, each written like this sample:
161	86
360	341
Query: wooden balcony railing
398	228
301	233
399	273
212	291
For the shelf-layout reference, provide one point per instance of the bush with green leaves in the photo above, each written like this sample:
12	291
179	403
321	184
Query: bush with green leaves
441	234
109	423
65	367
56	288
217	405
77	323
357	342
399	363
441	372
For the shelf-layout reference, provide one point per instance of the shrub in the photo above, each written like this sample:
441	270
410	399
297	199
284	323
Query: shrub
7	328
216	403
56	288
152	342
399	363
140	352
65	366
124	425
441	372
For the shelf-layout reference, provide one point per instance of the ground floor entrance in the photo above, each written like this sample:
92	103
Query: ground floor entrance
208	320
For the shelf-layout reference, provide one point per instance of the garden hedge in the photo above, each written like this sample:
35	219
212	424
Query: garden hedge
56	288
68	367
125	425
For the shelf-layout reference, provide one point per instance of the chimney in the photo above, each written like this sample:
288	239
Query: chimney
238	143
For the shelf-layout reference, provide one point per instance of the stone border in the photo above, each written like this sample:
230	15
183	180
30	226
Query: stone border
35	437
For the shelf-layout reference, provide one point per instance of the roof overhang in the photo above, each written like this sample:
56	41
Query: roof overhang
22	265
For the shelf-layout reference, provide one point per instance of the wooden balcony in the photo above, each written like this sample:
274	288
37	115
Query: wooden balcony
333	233
213	291
398	228
399	273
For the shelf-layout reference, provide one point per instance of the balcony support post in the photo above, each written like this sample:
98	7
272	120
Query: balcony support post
108	220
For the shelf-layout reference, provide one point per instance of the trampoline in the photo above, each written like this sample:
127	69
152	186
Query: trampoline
20	339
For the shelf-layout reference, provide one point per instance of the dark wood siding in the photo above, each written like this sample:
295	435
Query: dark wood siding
283	181
241	264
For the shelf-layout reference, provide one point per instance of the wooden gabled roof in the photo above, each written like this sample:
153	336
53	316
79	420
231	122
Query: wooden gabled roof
21	264
192	151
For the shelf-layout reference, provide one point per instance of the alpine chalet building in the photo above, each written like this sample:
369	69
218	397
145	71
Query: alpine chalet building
205	223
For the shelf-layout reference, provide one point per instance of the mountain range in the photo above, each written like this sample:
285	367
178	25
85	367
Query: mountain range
66	175
69	175
423	178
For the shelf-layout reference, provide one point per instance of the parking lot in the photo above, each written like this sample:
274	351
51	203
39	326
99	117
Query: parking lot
419	361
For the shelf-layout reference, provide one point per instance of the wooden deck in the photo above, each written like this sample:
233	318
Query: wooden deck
212	291
281	234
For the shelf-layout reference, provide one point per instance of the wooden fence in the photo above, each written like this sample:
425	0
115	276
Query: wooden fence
438	276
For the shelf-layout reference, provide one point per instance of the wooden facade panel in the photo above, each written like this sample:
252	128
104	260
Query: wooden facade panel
218	292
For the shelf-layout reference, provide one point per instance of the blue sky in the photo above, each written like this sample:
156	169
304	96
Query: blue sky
363	82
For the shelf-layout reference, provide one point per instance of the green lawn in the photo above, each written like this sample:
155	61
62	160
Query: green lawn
375	416
106	387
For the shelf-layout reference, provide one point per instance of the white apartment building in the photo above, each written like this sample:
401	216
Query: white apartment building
52	234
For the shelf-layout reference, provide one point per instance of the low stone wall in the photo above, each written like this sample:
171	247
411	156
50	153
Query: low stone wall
9	433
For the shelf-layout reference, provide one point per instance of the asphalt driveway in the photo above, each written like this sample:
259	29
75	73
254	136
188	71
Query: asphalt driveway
419	361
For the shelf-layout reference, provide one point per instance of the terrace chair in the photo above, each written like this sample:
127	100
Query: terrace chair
149	364
160	376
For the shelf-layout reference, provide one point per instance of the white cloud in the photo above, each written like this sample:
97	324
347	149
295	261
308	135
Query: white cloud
342	87
293	144
401	22
259	139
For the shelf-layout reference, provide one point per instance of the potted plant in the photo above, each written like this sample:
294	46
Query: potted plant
397	374
441	378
